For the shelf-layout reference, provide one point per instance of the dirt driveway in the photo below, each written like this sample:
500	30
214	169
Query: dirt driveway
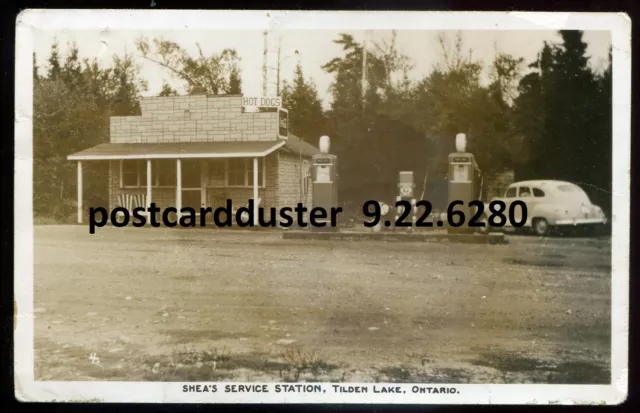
182	305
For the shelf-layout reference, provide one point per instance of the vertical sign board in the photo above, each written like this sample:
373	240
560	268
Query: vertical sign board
283	123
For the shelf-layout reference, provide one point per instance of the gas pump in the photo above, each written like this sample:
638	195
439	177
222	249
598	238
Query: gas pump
406	188
324	177
463	182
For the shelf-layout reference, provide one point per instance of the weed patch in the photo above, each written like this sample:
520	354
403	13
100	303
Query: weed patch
299	361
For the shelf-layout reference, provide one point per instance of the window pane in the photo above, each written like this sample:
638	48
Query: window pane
191	176
237	172
142	167
525	192
165	171
130	173
567	188
215	169
573	191
511	192
538	193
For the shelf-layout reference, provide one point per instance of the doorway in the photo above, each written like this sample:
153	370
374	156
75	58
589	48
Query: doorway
191	183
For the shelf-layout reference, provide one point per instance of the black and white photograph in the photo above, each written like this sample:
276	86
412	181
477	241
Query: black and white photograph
322	207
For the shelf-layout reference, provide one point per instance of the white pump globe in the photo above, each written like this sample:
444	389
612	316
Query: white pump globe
324	144
461	142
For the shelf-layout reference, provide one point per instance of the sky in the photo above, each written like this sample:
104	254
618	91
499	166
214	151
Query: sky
314	47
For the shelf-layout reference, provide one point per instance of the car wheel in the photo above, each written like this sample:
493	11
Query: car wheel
540	227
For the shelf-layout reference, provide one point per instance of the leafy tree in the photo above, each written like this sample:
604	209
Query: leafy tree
452	99
348	97
500	147
167	90
506	72
72	104
553	121
214	74
373	142
306	116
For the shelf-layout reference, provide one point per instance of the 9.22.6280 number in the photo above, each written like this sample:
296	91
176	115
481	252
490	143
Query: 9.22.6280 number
495	217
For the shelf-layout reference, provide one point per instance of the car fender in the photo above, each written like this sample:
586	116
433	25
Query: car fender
600	213
546	211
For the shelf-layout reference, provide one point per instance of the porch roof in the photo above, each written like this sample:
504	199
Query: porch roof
183	150
300	147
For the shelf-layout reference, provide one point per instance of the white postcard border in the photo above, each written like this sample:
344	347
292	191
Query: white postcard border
30	20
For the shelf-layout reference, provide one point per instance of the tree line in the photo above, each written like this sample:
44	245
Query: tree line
546	119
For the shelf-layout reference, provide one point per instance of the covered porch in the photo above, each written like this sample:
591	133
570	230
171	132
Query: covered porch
179	175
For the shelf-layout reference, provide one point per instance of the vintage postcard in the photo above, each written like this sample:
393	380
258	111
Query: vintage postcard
322	207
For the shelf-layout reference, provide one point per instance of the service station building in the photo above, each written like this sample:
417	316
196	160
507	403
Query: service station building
199	151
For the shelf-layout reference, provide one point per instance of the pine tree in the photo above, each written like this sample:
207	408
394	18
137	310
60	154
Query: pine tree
235	82
564	113
601	148
54	62
125	99
306	117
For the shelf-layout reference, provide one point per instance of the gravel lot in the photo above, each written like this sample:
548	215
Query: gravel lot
185	305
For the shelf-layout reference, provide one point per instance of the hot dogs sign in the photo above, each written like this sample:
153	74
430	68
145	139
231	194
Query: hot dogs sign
271	102
262	101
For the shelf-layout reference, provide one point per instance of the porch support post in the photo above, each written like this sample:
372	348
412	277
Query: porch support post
178	187
79	192
148	187
204	178
255	191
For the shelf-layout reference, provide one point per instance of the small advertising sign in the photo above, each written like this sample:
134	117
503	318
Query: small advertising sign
461	173
323	174
283	123
460	159
262	101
